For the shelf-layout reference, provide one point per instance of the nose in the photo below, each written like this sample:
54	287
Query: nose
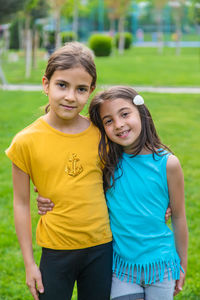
70	95
119	123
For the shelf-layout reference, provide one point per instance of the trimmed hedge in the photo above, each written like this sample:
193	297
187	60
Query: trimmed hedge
101	44
68	36
128	39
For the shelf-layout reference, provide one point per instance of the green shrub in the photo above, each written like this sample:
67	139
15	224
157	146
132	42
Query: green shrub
68	36
100	44
51	38
128	39
14	35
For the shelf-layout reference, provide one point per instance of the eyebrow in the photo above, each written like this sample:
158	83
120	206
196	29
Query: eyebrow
123	108
64	81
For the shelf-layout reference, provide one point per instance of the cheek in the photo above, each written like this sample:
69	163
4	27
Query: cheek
137	125
108	131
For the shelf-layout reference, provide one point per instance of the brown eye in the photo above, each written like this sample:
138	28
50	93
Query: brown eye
107	122
82	89
124	115
62	85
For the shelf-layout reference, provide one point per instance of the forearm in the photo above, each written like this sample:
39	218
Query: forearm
23	230
181	238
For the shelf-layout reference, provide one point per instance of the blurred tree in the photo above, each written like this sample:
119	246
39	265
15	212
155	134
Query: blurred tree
57	6
37	12
194	13
177	14
9	8
73	10
159	6
29	5
118	11
32	10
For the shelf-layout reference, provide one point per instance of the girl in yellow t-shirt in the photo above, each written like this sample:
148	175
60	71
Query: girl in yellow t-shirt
59	153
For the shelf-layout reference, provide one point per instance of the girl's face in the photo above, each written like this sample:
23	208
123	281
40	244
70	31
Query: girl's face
121	121
68	91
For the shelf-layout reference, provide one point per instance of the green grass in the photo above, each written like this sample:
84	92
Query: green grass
177	120
138	66
188	37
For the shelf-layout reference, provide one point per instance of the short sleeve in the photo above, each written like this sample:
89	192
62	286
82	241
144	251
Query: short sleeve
18	153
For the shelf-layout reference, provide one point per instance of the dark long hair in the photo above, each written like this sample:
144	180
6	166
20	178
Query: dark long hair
110	153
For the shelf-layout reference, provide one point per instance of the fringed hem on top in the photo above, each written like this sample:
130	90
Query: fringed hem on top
122	268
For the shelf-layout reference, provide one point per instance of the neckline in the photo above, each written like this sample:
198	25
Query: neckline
72	135
142	155
138	155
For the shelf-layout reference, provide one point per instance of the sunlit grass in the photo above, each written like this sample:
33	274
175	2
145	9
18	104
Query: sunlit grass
137	66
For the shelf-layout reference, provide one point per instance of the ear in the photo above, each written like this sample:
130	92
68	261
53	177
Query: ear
45	83
92	88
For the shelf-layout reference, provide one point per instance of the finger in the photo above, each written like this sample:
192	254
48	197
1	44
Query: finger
40	286
35	189
43	200
41	213
43	210
33	290
45	205
166	217
169	212
178	287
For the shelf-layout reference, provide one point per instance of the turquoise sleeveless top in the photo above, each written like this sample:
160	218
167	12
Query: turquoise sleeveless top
137	204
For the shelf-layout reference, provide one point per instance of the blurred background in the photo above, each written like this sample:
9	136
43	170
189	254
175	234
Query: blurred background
30	30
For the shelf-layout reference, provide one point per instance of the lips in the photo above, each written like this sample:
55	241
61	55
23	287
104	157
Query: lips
123	134
68	107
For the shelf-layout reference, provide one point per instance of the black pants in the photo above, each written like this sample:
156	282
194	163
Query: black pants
90	267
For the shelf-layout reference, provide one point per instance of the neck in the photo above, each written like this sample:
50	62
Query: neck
144	151
76	125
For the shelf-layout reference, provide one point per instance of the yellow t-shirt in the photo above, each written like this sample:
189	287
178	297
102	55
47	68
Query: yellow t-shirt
66	169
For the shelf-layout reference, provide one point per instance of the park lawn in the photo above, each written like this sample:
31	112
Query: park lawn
137	66
177	121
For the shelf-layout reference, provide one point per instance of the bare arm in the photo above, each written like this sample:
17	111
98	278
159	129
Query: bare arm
21	188
177	202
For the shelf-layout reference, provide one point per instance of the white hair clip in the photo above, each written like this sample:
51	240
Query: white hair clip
138	100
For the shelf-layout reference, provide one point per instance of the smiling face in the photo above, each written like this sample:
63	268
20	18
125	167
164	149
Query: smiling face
68	91
121	121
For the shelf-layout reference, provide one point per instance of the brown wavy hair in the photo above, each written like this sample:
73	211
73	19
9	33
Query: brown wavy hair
71	55
111	153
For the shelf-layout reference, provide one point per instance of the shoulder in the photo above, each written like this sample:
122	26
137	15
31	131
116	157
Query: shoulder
26	133
94	130
173	167
173	163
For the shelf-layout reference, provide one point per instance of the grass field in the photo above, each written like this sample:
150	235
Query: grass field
138	66
177	120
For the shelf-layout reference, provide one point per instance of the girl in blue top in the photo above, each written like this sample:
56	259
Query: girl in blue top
141	178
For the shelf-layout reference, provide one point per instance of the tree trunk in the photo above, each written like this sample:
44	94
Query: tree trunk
75	19
178	32
6	39
35	47
20	34
159	32
112	26
57	31
28	46
28	53
178	41
121	35
2	76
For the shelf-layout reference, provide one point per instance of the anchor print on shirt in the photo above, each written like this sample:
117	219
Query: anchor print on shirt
73	166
